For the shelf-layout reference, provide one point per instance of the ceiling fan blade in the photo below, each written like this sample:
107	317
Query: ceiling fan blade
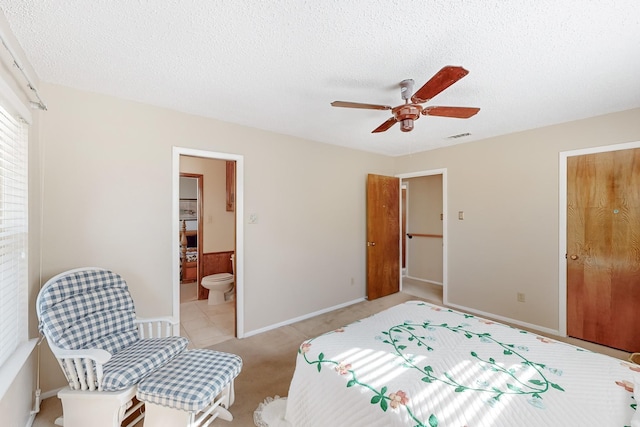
439	82
457	112
385	126
360	105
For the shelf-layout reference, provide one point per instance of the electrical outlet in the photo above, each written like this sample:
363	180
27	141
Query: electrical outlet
521	297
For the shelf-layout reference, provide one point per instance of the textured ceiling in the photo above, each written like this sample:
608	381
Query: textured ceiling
278	64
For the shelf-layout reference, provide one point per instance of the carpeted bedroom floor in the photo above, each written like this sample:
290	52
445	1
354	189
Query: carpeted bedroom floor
269	358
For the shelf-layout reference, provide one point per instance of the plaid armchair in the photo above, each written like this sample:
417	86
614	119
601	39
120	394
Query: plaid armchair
88	318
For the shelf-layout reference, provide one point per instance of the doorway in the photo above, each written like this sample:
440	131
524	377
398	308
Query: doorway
425	239
237	224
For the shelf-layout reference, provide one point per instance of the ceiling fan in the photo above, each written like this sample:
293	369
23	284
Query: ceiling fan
408	112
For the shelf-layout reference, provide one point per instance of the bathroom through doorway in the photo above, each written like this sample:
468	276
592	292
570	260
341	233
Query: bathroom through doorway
208	230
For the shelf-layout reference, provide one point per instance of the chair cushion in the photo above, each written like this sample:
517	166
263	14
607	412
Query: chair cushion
191	381
133	363
87	308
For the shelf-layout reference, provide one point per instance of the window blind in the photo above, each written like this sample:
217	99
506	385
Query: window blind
13	233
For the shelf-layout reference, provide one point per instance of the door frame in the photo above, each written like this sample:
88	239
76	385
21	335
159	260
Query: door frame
239	244
562	222
445	222
199	182
404	188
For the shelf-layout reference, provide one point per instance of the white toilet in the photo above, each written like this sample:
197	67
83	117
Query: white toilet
219	284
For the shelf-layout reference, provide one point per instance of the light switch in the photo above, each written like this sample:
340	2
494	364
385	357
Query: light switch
460	215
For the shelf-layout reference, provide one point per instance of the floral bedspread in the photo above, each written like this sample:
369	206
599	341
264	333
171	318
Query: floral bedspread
419	364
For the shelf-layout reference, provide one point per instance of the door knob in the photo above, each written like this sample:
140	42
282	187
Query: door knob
371	243
574	257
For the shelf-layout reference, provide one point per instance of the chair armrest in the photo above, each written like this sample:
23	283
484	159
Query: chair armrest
82	368
97	355
157	327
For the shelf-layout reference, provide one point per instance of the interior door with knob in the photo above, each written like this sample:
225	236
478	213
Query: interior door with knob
383	236
603	248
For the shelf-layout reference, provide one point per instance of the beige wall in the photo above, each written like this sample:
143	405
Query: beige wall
108	174
218	225
508	188
424	261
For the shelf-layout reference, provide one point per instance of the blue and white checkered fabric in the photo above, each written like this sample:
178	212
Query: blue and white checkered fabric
191	381
92	308
135	362
89	308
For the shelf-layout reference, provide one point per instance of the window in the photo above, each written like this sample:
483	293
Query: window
13	232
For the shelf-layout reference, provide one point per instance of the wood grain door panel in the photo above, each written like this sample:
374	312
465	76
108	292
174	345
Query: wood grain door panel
603	248
383	236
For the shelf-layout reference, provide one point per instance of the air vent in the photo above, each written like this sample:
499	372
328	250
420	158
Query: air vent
460	135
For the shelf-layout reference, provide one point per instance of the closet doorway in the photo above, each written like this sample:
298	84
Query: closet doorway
210	224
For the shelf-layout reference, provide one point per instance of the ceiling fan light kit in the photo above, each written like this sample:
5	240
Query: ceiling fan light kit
410	111
406	125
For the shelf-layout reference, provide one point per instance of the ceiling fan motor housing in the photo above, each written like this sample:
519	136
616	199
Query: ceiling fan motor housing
406	115
406	88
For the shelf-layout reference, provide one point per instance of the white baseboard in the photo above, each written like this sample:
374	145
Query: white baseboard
304	317
424	280
492	316
50	393
31	419
503	319
39	399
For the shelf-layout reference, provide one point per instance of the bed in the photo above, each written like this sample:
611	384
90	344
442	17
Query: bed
188	254
418	364
191	255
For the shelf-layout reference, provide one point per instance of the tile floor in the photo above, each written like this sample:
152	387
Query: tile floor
205	324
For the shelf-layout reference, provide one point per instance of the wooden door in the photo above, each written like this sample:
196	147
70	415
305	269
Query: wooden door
383	236
603	248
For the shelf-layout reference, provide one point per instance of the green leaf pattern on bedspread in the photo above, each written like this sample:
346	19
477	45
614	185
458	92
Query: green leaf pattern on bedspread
527	379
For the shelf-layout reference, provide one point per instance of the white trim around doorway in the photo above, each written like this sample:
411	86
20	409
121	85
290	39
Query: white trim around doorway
562	222
445	222
239	207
